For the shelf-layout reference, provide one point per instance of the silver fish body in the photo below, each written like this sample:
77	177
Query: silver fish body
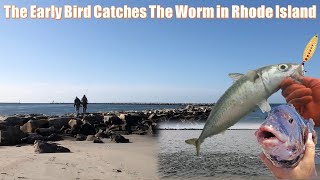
283	136
247	91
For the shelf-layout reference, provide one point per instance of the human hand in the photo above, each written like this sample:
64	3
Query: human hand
304	170
305	97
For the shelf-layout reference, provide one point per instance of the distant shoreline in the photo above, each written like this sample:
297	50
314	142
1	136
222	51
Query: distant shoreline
127	103
191	129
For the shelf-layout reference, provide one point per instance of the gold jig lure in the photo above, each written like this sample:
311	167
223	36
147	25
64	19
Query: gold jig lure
310	49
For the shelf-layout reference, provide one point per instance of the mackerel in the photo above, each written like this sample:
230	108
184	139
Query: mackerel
248	91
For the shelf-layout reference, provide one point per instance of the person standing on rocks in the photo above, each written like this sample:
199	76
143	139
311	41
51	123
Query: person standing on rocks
84	103
77	104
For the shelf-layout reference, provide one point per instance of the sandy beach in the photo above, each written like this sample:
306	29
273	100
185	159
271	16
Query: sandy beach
87	160
232	155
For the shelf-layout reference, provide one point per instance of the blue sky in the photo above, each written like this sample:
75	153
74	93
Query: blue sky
143	60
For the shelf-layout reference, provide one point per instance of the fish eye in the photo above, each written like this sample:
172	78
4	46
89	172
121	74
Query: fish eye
290	120
283	67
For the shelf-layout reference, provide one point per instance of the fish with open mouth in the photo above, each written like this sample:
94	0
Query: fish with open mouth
283	135
248	91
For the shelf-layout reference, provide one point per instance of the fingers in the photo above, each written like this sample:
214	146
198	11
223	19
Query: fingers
268	163
309	155
299	93
289	89
311	82
310	147
298	102
285	83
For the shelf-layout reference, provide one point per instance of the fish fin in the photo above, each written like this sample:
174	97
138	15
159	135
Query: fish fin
195	142
235	76
264	106
253	75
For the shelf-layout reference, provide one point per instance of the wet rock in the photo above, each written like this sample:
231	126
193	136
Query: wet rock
59	122
32	125
10	135
45	147
119	139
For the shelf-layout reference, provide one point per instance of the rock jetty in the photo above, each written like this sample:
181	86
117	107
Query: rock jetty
38	128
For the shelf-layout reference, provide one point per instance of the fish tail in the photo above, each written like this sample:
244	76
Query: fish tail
195	142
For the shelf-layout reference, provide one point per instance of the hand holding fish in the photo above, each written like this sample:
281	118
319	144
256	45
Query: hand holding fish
305	168
305	97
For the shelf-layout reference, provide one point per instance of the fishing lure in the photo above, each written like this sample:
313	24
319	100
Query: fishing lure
310	49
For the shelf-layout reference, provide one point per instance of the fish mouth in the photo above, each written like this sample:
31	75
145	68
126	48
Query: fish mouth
269	137
298	73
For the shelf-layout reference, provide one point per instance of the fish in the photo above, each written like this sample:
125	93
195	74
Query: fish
283	136
248	91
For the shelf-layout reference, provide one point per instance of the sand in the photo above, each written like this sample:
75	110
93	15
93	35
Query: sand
232	155
136	160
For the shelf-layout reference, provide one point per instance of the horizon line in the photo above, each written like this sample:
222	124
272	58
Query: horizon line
196	103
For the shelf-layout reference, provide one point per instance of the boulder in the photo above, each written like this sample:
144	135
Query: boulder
98	140
45	147
32	125
15	121
87	129
10	135
46	131
112	120
94	139
153	116
101	134
93	118
131	119
119	139
33	137
90	138
80	137
72	123
59	122
189	108
40	116
123	117
116	128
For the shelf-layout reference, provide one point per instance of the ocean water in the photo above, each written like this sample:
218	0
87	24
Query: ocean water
60	109
233	155
251	121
